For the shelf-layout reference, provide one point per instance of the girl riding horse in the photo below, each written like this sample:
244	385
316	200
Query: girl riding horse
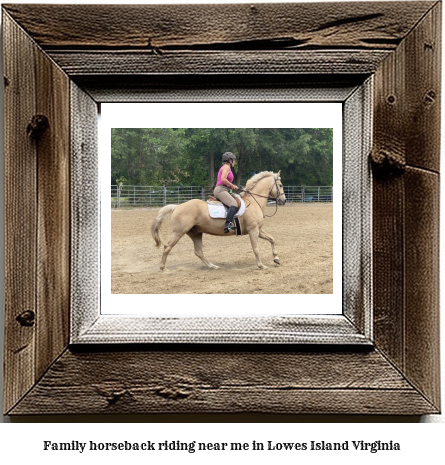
192	218
223	184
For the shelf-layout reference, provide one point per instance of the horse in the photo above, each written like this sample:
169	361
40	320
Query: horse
192	218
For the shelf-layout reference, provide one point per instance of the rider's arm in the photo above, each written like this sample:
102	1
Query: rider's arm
224	173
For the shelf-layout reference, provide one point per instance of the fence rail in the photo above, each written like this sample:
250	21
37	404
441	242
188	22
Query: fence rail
159	196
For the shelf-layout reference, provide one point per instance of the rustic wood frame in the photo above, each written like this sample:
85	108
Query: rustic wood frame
92	50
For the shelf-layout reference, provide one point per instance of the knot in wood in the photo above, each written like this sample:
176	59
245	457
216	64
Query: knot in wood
386	162
114	397
37	126
26	318
173	393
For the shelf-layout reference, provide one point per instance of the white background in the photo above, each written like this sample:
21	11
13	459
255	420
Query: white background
219	115
22	442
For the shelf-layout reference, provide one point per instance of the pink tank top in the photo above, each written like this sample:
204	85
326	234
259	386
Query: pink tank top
229	177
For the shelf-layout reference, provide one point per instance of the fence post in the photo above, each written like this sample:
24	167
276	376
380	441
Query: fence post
119	187
164	200
302	193
203	193
318	194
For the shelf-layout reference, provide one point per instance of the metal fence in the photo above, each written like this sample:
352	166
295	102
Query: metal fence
309	193
158	196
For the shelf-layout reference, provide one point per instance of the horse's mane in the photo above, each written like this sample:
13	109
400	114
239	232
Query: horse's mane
255	178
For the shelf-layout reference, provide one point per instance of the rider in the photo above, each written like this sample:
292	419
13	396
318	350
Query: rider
224	183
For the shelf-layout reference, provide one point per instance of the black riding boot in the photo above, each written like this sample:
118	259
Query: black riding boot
229	219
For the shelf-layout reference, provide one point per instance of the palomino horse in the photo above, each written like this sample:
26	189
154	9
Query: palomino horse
192	218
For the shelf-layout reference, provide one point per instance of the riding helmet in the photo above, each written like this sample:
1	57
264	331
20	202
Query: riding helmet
227	156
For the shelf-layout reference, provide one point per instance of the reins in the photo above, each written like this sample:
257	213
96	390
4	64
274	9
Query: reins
268	198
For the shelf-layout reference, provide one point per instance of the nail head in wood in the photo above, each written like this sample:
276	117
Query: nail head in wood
26	318
430	97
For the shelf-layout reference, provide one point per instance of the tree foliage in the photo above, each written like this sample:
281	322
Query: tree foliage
192	156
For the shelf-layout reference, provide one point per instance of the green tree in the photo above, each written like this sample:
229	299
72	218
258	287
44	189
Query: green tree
192	156
146	156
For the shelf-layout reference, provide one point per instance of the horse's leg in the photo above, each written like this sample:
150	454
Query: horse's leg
254	234
197	242
267	237
171	243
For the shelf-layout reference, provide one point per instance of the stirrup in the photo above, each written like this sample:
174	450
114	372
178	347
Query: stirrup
229	227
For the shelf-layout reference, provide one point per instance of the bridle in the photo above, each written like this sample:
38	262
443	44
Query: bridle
275	199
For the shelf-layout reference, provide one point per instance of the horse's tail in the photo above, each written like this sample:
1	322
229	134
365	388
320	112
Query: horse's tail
156	226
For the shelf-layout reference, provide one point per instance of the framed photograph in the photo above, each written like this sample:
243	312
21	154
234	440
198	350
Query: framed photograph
369	346
256	314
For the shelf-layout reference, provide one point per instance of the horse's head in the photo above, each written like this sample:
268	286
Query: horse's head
277	190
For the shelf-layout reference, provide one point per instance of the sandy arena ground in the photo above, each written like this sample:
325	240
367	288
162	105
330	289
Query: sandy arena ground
304	242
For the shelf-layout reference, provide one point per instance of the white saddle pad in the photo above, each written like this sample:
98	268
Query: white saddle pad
217	210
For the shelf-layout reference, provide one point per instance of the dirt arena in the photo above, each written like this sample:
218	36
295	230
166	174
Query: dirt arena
304	243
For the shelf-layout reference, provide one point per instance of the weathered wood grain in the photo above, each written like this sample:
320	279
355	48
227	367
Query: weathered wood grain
223	382
85	209
422	364
37	218
388	200
89	327
388	268
357	201
20	213
251	400
421	214
406	132
397	41
407	113
218	88
423	92
78	63
53	198
364	25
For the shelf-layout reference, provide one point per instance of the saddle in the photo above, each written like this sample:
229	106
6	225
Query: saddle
214	201
218	210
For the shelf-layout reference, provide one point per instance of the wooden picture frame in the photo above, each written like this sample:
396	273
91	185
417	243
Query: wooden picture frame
91	321
76	56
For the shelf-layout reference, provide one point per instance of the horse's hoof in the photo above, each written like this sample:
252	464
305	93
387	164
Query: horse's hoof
277	261
213	266
263	267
